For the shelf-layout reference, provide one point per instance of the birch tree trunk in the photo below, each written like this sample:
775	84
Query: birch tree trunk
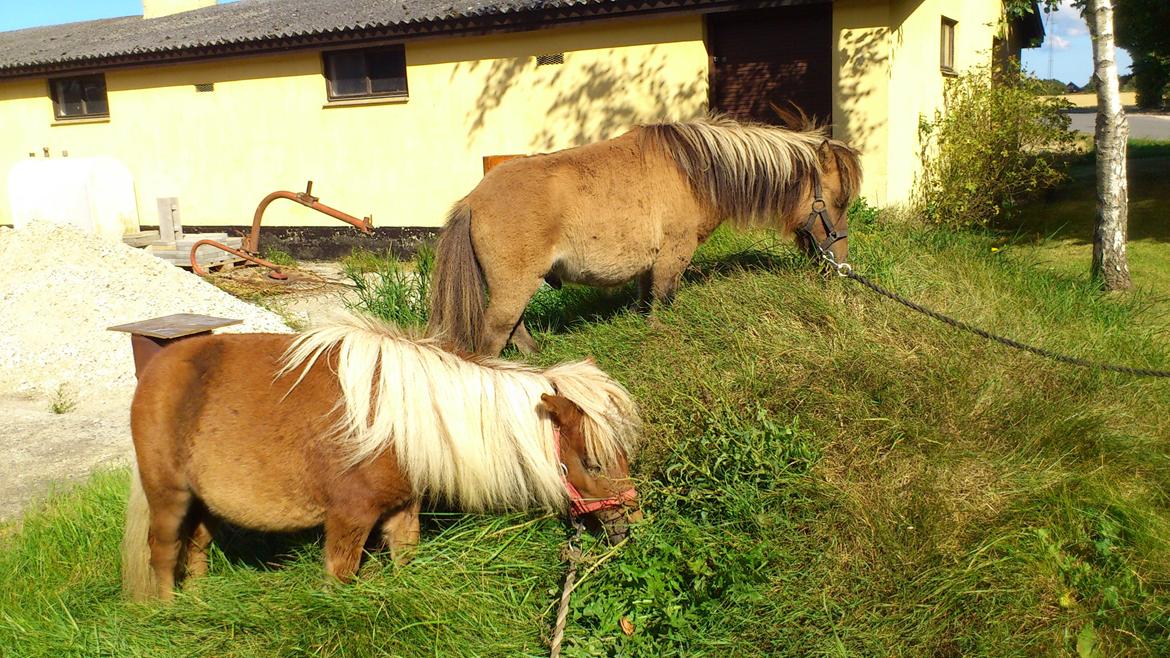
1112	135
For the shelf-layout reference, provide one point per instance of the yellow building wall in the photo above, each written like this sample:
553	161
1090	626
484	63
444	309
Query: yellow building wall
267	125
888	77
861	76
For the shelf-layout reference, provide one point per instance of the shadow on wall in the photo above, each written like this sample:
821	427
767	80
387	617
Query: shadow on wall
589	102
861	52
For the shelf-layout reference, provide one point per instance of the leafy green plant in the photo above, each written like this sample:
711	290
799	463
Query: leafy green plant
63	400
990	147
863	214
389	289
715	499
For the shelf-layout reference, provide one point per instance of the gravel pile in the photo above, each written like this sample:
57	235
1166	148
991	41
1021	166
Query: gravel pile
59	291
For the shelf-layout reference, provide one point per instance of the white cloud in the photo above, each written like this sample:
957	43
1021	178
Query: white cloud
1066	20
1059	42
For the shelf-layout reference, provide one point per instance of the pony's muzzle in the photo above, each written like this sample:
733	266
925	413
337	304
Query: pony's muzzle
615	522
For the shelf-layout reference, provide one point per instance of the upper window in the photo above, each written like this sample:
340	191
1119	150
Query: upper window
947	46
369	73
79	97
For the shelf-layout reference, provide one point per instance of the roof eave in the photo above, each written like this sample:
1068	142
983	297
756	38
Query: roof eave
455	26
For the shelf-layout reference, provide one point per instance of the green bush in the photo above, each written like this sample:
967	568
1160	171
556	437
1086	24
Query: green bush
990	147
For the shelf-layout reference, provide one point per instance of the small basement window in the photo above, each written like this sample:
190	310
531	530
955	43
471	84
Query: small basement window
367	73
79	97
947	46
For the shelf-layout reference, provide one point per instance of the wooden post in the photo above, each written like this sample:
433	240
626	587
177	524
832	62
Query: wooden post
170	226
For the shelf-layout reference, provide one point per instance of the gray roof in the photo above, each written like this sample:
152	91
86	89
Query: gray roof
240	26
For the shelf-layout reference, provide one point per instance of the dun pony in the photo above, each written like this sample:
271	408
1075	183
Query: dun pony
350	425
636	206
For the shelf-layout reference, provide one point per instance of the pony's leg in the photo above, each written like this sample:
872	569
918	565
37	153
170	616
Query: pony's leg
198	542
504	309
645	291
168	511
400	532
667	272
524	340
345	536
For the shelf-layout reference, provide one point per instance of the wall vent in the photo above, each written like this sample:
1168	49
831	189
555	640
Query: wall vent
205	86
551	59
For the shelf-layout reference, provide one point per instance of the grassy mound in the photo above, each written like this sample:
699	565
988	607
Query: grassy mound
824	473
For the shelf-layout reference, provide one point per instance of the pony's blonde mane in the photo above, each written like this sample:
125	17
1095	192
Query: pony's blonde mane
751	174
472	432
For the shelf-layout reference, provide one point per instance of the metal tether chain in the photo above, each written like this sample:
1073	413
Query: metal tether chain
846	270
572	555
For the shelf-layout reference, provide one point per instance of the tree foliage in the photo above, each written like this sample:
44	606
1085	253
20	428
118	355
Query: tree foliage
1143	28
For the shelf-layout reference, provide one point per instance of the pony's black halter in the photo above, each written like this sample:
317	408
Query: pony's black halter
820	210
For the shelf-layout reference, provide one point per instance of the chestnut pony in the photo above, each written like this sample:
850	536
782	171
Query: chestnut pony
349	425
636	206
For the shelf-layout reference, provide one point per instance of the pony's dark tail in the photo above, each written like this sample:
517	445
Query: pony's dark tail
457	291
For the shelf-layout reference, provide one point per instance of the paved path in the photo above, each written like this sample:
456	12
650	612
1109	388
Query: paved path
1141	126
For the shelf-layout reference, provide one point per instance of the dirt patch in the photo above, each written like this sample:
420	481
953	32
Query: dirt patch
41	449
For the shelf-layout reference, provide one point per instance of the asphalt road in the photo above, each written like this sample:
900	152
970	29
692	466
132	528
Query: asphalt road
1141	126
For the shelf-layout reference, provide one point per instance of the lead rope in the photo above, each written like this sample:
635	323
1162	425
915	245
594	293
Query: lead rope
572	554
846	270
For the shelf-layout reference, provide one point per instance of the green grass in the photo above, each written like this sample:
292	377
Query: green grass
361	260
1057	231
824	474
279	257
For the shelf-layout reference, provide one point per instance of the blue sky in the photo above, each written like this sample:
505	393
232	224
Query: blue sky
1067	47
17	14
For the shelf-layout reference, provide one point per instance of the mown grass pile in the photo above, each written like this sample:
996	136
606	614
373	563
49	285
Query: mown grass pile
824	474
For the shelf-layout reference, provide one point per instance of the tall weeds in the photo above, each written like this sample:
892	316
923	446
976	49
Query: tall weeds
389	289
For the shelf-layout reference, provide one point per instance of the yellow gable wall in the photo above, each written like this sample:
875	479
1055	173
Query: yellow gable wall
861	75
267	126
887	77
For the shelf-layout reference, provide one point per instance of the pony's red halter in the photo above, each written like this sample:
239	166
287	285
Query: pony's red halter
579	504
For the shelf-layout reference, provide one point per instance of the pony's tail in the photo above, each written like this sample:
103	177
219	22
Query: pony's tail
138	580
457	291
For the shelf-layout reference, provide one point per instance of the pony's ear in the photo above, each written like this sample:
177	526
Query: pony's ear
590	360
828	157
564	411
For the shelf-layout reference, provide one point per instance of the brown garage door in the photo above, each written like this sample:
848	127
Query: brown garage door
772	56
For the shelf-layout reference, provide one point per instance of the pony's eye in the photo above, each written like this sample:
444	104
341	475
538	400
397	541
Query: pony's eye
593	469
